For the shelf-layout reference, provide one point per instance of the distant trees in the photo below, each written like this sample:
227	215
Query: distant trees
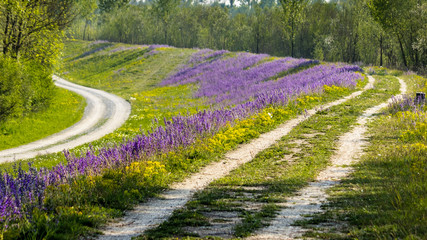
293	13
163	10
350	31
407	21
110	5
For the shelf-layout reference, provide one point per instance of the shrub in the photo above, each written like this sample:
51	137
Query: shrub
10	86
25	86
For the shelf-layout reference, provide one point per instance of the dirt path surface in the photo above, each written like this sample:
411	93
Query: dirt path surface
104	113
309	199
155	211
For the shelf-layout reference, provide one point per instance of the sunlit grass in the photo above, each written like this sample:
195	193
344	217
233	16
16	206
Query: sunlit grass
65	109
386	197
276	172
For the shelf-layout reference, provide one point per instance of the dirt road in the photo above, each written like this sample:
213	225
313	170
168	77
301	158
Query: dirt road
104	113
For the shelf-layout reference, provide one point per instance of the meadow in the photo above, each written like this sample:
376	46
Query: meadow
189	107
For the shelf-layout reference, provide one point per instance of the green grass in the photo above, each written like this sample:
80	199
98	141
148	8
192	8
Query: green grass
386	197
278	171
137	81
65	109
118	190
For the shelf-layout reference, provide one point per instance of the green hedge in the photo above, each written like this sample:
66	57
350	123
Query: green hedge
25	86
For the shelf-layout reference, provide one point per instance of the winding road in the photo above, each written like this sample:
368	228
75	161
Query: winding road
103	114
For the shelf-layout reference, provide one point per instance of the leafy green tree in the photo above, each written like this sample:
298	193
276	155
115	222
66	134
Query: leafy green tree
293	14
110	5
404	19
33	29
258	25
31	35
163	10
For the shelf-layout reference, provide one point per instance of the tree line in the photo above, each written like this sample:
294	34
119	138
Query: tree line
379	32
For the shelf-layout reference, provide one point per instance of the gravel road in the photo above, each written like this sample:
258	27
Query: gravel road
103	114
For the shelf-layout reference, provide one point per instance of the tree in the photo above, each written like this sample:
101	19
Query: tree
30	39
25	25
293	13
88	13
404	19
258	26
110	5
163	10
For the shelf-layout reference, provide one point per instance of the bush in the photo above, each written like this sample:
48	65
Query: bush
37	86
10	88
25	86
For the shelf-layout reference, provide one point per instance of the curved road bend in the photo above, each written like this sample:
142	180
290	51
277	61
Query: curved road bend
103	114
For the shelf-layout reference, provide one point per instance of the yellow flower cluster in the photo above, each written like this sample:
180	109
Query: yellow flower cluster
305	100
228	138
147	168
416	124
69	211
333	89
246	129
416	154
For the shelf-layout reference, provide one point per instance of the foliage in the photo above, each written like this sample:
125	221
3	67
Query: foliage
25	86
110	5
405	20
293	11
10	83
30	39
325	30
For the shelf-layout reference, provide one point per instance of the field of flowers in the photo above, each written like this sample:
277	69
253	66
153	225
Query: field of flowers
248	94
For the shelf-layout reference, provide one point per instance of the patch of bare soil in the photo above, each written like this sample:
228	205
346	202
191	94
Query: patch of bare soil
309	200
152	213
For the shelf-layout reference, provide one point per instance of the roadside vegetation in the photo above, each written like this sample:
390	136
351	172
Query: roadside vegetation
65	109
239	204
30	43
97	182
385	198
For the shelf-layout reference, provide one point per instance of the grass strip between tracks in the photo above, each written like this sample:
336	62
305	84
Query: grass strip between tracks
386	197
246	199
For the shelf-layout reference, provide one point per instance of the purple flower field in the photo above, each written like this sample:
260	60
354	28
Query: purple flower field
238	80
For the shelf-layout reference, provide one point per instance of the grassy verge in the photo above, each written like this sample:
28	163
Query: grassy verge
386	197
246	199
65	109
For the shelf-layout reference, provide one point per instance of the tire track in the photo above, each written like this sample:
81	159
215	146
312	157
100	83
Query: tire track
152	213
103	114
310	199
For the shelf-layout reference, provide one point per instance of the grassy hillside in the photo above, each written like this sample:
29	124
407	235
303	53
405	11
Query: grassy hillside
189	107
